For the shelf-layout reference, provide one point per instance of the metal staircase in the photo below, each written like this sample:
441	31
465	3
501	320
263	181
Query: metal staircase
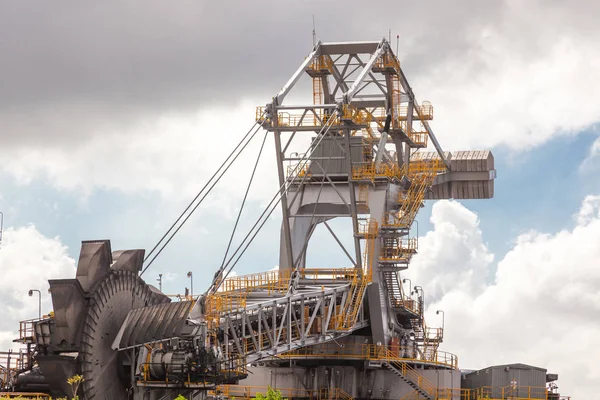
412	378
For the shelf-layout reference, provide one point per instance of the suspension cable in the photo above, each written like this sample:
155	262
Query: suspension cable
172	235
199	193
230	264
220	271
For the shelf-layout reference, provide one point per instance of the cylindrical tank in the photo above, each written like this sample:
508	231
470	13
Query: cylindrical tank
169	364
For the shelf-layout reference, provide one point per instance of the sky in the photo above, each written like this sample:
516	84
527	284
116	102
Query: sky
114	114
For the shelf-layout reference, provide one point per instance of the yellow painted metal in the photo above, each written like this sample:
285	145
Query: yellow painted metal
249	392
387	61
25	396
371	352
510	393
322	63
317	98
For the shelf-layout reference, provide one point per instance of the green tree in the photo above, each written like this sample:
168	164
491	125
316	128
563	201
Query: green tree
272	394
75	381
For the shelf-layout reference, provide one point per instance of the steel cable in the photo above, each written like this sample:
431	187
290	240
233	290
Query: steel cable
247	141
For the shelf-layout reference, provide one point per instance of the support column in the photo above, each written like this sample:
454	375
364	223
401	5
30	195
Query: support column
353	211
286	260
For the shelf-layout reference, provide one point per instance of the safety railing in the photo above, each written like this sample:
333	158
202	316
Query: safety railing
374	352
510	393
300	119
411	201
12	362
424	112
368	227
407	371
407	303
250	392
222	303
387	61
359	117
407	354
389	170
27	330
403	251
271	281
293	171
278	280
181	374
419	138
24	396
321	64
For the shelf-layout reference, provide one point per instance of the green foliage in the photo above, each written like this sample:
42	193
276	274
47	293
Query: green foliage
272	394
75	381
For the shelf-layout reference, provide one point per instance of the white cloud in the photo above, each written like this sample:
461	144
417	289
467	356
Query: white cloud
503	76
500	93
172	154
27	260
592	162
541	307
452	255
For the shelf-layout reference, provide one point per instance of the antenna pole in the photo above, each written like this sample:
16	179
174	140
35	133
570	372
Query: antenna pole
314	31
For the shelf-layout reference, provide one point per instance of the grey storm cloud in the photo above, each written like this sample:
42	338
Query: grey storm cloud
71	69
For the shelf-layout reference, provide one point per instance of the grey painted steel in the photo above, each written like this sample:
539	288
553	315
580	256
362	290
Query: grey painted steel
366	70
408	381
292	81
501	376
332	48
153	324
89	311
353	208
430	133
471	175
355	378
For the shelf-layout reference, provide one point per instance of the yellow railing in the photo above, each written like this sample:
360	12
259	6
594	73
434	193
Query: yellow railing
299	172
278	280
249	392
510	393
24	396
402	252
359	117
321	63
374	353
407	303
388	61
27	329
392	171
485	393
411	201
301	119
233	369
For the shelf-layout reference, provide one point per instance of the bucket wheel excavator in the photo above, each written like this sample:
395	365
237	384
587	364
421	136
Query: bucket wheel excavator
367	161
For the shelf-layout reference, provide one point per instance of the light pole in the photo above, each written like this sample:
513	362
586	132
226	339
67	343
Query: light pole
1	225
191	276
443	318
409	284
417	288
39	300
159	282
